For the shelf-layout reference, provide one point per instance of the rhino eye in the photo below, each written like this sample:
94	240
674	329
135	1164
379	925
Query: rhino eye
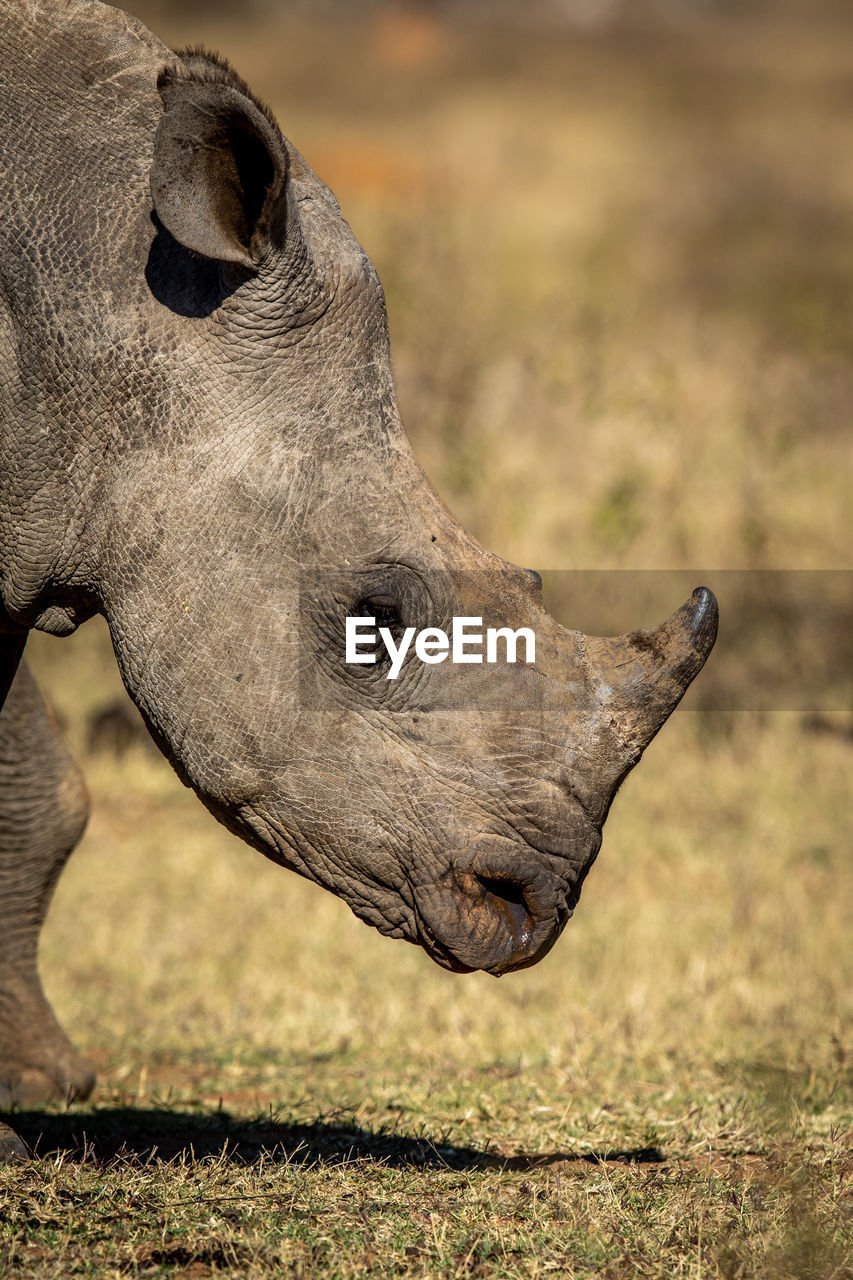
387	614
384	611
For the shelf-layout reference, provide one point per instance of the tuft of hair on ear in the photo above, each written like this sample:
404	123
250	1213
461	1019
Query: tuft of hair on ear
211	67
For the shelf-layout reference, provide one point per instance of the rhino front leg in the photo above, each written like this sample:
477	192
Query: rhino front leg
43	811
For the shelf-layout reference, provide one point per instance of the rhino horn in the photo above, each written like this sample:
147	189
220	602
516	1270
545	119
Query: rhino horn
642	676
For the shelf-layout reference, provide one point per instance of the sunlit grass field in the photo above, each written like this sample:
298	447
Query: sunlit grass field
619	269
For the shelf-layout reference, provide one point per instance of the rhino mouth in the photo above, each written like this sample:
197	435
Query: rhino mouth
498	909
437	951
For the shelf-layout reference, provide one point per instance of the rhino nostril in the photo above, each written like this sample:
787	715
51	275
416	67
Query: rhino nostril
508	898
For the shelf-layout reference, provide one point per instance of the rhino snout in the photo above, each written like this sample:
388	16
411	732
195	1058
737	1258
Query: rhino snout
497	909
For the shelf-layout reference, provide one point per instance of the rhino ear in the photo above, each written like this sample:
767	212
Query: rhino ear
220	166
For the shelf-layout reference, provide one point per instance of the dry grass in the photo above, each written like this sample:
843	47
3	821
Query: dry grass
619	269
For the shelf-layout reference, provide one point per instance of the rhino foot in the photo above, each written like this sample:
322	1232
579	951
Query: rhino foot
12	1149
66	1079
38	1063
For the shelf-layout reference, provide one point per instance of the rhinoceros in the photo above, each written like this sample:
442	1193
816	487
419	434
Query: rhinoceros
201	442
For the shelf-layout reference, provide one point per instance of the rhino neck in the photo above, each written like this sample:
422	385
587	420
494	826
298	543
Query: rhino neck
79	182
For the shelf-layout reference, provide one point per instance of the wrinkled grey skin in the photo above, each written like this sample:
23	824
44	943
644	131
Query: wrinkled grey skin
200	440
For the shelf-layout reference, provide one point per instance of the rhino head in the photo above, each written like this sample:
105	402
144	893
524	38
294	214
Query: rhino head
235	481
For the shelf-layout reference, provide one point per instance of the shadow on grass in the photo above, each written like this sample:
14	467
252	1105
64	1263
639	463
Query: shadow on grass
142	1134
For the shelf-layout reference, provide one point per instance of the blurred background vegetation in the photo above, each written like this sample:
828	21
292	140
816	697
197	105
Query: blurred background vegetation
617	245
